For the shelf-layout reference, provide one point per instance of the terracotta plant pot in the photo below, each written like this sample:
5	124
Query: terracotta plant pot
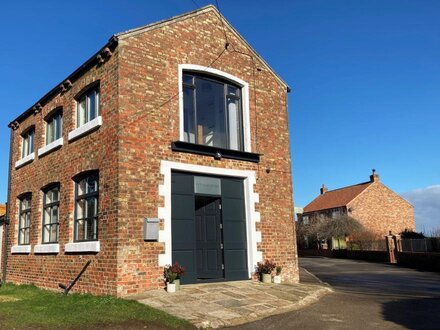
177	283
171	287
277	279
266	278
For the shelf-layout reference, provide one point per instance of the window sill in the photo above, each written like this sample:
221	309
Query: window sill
47	248
85	129
50	147
24	249
215	152
25	160
92	246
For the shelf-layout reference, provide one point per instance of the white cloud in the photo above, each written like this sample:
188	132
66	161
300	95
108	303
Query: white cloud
426	202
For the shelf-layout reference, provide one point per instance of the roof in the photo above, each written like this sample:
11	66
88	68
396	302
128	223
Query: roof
113	42
336	198
2	209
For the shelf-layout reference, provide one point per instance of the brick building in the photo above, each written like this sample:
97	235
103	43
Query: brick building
375	206
179	120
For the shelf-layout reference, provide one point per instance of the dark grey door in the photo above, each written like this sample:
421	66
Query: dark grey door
208	238
234	229
200	227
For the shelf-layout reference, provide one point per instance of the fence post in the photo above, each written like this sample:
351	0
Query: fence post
391	247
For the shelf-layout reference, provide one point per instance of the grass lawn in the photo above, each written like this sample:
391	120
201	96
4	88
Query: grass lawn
27	307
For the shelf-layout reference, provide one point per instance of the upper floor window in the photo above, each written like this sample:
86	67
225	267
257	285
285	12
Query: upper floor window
54	127
86	207
27	146
87	106
212	112
51	203
24	222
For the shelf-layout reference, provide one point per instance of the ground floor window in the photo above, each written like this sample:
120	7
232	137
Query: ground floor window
24	220
86	207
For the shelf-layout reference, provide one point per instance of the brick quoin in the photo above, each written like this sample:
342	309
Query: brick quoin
139	105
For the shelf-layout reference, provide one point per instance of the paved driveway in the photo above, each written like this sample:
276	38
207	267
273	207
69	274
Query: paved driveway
367	296
221	304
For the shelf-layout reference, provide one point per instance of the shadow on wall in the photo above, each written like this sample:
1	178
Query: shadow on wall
422	313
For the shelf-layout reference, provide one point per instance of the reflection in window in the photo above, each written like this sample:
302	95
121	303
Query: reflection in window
88	106
86	208
212	112
51	203
24	223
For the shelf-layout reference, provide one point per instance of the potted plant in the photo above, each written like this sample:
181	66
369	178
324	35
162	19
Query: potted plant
179	271
265	270
277	277
170	277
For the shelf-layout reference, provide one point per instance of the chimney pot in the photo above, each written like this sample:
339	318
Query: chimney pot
323	189
374	177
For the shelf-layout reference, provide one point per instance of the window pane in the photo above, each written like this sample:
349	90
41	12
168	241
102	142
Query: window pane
81	112
92	184
46	216
53	233
187	79
58	126
80	229
31	142
232	90
81	186
50	132
234	124
25	147
54	218
80	208
91	105
210	113
188	112
45	234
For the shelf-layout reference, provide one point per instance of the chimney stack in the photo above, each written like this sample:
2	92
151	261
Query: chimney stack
323	189
374	177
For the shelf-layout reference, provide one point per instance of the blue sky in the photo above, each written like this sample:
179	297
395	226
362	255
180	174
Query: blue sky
365	77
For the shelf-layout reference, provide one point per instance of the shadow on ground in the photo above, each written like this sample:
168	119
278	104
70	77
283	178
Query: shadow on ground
421	313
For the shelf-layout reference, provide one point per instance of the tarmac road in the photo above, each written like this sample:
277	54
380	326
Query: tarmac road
367	296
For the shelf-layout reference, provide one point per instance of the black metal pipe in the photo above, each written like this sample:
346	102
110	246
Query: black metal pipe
7	217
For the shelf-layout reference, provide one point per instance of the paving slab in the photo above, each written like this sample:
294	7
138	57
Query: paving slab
215	305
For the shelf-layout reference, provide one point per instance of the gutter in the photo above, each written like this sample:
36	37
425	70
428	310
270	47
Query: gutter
61	87
7	217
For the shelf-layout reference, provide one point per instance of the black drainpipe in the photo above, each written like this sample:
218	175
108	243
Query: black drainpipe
7	218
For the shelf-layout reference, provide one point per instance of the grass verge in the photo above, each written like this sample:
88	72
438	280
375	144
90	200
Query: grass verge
28	307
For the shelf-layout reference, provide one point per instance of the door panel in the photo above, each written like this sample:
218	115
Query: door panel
209	238
182	225
234	229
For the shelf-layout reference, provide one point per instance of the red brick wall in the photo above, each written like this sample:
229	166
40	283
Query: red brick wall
380	210
149	108
140	109
94	151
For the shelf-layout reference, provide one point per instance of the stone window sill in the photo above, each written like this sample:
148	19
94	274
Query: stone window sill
215	152
85	129
91	246
50	147
25	160
25	249
47	248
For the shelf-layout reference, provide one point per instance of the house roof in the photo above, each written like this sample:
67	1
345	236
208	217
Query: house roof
336	198
113	42
2	209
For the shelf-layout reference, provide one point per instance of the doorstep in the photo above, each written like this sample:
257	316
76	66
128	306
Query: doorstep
214	305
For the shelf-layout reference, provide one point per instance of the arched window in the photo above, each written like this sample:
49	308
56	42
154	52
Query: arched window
86	206
24	221
51	204
212	111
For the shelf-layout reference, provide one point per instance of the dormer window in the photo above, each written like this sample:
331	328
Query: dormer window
27	147
212	111
54	127
87	106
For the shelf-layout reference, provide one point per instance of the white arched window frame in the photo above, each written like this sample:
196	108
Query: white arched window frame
244	94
